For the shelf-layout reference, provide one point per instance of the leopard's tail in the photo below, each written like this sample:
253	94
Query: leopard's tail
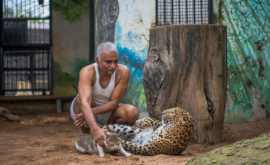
139	149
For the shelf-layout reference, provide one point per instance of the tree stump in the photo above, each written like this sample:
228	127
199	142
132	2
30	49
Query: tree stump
187	67
107	12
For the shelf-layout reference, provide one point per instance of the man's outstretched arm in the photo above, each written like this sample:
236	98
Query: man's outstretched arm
85	95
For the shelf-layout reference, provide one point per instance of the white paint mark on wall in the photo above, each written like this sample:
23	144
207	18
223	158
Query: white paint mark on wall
135	18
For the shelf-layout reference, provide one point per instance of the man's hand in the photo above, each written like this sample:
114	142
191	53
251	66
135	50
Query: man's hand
100	136
79	119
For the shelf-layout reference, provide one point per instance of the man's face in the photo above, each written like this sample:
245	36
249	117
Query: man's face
108	62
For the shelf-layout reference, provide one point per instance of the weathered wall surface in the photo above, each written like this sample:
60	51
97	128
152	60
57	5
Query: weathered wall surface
132	39
70	34
70	40
248	50
130	22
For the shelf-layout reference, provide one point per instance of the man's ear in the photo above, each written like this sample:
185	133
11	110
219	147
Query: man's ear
96	59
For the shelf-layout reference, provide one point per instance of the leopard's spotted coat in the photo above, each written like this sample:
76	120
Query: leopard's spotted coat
152	137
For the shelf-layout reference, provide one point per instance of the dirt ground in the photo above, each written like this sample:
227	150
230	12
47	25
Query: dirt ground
50	139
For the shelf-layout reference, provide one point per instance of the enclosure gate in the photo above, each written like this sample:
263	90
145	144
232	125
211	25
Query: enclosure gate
183	12
25	47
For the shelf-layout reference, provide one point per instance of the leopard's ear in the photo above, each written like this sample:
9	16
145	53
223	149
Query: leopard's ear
119	135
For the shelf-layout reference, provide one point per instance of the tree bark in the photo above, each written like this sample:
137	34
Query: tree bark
187	67
107	13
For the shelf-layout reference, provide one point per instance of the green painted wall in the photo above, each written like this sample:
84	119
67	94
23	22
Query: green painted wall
248	52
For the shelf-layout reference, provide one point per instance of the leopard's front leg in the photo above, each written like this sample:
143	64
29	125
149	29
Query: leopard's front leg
148	122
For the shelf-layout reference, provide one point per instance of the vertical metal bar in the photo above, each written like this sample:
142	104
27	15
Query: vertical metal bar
186	12
20	38
179	10
25	65
157	23
16	71
33	70
26	34
21	8
25	8
194	13
38	24
2	85
1	49
92	31
12	73
35	26
6	77
31	56
43	31
201	12
51	70
16	9
18	59
2	78
210	11
50	6
1	24
33	66
51	50
172	9
48	70
4	64
43	73
164	11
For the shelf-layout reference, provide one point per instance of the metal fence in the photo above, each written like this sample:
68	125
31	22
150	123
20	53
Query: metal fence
25	47
183	12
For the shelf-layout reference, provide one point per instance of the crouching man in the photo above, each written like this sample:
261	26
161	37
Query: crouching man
101	87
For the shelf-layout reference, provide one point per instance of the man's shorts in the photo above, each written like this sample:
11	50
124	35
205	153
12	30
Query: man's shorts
101	119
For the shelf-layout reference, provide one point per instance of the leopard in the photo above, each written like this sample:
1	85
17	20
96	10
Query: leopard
171	138
152	137
143	129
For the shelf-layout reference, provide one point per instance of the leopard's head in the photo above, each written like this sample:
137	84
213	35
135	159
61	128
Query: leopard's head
177	115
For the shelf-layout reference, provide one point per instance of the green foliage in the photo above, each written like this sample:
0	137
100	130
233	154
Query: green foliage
57	69
78	64
72	10
135	95
63	81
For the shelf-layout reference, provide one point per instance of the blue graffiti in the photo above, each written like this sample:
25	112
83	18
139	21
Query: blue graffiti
133	60
118	32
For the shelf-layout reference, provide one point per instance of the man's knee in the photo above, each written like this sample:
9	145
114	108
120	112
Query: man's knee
132	114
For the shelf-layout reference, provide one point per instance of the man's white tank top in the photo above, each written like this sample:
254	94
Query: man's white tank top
102	95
